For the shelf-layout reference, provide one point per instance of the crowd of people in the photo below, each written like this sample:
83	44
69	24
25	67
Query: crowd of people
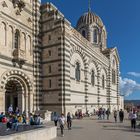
62	121
101	114
14	118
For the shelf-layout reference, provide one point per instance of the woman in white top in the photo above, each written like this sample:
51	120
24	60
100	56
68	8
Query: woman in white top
133	117
62	123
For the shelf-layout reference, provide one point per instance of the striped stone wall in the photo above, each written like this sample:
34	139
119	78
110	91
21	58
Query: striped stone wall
61	47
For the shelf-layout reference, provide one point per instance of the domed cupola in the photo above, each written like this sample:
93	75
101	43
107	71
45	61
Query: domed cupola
92	28
88	19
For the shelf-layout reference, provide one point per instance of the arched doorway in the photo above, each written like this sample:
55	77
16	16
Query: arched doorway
16	88
13	95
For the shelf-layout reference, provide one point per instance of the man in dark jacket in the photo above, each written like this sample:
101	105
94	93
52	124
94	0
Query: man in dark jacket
69	120
121	115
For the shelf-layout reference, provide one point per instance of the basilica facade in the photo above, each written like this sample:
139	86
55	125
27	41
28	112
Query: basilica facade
46	64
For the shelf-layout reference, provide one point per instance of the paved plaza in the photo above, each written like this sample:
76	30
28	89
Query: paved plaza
94	129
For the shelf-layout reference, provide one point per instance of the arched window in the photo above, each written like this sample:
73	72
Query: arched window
103	81
10	36
113	72
23	42
113	76
77	72
17	38
83	33
29	46
104	37
95	36
113	64
3	34
92	78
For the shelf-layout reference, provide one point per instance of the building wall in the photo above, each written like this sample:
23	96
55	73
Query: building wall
51	60
51	47
67	47
12	18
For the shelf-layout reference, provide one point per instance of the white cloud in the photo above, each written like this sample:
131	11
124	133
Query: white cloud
128	86
134	74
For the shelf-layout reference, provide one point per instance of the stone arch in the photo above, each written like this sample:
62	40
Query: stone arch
81	53
82	61
95	36
76	59
104	32
103	71
22	91
114	69
77	55
97	66
114	58
103	37
93	65
16	74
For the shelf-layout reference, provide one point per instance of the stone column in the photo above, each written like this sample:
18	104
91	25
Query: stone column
11	100
26	104
2	100
98	85
89	35
20	102
31	109
118	88
86	86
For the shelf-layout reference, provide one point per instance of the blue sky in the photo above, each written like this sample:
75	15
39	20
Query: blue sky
122	21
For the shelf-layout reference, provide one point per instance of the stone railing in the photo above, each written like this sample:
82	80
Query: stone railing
46	133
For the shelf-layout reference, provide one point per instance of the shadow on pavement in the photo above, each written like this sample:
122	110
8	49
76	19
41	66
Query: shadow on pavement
105	122
74	127
117	129
126	130
66	130
119	126
137	135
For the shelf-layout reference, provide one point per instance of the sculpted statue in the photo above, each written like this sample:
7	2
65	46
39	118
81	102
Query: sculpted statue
19	3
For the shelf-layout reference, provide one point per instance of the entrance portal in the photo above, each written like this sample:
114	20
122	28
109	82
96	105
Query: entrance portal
13	95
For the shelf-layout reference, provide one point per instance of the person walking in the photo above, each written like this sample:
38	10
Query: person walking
55	118
133	117
108	113
69	120
115	115
62	123
121	115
